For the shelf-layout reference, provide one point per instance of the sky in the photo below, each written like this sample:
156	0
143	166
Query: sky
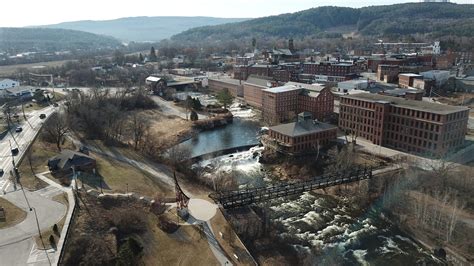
19	13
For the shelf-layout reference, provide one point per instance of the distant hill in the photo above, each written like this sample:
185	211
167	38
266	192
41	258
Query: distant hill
435	19
142	29
52	40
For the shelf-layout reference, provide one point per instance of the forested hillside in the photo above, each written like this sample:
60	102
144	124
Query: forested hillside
17	40
433	19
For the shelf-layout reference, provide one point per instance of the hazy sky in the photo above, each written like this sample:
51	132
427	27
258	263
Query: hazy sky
17	13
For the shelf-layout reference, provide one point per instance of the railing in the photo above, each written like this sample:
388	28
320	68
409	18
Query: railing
240	198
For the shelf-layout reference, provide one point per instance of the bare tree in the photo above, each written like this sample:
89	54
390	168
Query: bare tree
56	128
138	128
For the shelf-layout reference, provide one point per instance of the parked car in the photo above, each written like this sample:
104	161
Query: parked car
15	151
18	129
55	104
1	171
42	116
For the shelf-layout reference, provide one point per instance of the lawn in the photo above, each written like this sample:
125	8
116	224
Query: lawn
186	246
14	215
120	177
35	161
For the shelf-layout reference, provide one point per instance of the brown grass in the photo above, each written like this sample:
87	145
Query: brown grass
186	246
6	71
117	176
13	214
231	245
35	161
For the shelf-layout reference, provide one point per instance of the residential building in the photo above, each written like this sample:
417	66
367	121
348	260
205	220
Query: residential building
68	161
405	80
20	92
301	137
418	127
235	87
8	83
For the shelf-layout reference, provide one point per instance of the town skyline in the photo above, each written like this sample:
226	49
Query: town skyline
59	11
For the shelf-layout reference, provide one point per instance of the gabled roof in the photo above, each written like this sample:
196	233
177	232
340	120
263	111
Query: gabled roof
69	158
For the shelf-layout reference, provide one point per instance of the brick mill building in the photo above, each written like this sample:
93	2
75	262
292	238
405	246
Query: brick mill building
281	104
300	137
234	86
253	90
412	126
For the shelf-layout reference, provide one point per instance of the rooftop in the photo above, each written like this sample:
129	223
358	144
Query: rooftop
411	104
302	128
284	88
226	80
410	75
315	87
258	81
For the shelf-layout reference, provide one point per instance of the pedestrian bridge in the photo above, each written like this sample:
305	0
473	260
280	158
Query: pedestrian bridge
244	197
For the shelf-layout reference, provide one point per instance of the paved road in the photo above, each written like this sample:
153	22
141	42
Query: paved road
16	243
169	108
21	141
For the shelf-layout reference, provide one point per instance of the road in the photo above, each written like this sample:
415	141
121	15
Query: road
21	141
17	246
169	108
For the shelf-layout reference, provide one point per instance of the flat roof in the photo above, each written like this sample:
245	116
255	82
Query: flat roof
227	80
410	104
410	75
284	88
302	128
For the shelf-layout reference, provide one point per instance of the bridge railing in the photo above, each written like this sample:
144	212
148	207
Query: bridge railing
236	198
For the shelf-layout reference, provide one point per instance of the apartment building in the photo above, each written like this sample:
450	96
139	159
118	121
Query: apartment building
412	126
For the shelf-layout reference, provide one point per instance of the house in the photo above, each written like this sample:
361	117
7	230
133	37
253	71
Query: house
64	162
20	92
7	84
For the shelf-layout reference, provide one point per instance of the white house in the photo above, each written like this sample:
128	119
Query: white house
7	84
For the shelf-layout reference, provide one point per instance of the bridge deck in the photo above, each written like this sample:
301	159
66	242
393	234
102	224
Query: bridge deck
240	198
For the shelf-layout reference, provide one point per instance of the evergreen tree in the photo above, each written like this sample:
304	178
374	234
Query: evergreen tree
140	58
153	57
225	97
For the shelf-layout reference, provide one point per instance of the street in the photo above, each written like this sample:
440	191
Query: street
17	245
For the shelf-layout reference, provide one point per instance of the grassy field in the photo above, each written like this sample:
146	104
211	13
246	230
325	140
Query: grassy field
7	71
118	177
14	215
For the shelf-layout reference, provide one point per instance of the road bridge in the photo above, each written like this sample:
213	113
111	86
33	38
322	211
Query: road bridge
243	197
